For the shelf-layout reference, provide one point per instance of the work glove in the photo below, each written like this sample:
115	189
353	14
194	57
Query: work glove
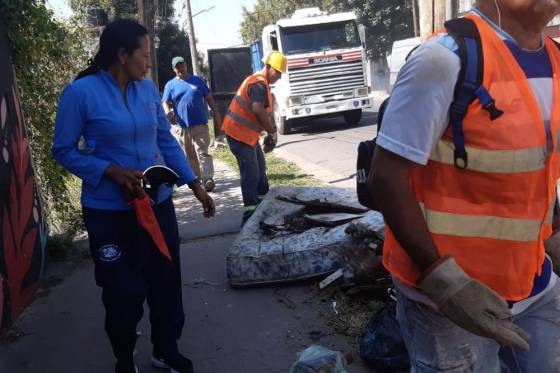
270	142
552	248
472	305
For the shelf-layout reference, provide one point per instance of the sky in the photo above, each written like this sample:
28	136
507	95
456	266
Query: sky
215	28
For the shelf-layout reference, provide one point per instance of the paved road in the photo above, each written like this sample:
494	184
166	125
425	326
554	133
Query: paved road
327	147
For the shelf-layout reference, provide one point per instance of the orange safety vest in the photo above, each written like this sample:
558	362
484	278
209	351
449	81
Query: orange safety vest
240	122
493	216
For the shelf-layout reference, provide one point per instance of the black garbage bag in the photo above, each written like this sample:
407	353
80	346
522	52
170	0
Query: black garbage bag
382	346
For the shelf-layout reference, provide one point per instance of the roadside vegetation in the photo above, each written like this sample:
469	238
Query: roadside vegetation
278	170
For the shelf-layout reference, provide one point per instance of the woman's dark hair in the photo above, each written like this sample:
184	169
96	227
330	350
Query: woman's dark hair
122	33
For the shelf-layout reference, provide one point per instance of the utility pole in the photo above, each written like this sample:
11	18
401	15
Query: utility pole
192	39
146	16
432	16
415	19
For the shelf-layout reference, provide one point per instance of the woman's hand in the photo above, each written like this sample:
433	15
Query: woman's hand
206	201
129	180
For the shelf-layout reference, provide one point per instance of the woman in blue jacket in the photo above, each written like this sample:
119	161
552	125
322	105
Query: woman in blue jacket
110	126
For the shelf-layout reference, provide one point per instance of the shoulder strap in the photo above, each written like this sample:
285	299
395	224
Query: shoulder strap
465	34
469	85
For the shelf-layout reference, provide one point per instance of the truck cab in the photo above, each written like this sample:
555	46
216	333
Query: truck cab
326	67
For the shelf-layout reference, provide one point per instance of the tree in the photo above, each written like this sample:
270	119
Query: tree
113	8
267	12
121	8
385	20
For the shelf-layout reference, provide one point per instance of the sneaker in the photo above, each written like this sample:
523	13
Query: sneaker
176	363
209	185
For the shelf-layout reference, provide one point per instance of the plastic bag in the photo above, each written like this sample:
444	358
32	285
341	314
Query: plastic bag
382	346
318	359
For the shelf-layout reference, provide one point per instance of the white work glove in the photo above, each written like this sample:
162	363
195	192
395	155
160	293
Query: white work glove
472	305
552	248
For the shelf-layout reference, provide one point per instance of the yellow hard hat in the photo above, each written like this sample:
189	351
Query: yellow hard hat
277	61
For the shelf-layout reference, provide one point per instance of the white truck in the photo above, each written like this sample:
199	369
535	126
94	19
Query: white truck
326	67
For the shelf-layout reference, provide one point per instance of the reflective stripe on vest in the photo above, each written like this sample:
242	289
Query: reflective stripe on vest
243	103
494	215
494	227
498	161
240	122
243	121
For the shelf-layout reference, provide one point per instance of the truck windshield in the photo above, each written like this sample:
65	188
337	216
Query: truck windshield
313	38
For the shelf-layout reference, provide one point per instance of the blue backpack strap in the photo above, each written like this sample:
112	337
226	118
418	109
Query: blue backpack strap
469	85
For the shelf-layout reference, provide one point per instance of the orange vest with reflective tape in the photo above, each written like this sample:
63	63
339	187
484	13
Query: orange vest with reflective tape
240	122
493	216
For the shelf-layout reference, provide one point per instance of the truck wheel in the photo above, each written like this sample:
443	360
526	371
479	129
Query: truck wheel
353	117
284	125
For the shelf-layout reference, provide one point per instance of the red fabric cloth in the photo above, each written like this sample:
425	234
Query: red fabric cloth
147	219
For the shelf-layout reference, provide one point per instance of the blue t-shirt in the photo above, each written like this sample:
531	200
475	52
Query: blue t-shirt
188	100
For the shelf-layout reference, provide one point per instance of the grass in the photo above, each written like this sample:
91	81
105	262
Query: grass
278	170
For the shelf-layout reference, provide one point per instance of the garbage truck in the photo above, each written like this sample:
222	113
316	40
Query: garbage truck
326	67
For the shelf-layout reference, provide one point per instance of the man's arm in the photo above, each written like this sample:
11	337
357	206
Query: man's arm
169	112
389	184
216	113
263	117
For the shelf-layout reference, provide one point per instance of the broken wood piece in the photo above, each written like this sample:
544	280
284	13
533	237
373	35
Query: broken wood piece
331	278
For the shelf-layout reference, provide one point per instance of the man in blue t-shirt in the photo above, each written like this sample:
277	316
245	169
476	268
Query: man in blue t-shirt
184	100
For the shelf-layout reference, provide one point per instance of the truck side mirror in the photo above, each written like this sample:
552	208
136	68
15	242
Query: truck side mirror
362	33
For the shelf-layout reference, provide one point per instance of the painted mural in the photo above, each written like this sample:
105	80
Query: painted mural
22	226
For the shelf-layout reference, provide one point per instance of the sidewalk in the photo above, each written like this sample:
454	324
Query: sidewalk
248	331
330	178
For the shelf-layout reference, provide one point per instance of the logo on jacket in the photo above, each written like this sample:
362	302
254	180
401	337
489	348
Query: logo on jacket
109	253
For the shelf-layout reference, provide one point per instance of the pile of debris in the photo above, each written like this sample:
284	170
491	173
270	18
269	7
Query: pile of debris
301	233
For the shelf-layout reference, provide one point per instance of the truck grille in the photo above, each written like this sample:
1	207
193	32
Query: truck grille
326	80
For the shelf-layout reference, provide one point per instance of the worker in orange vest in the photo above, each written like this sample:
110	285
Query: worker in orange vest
248	115
465	240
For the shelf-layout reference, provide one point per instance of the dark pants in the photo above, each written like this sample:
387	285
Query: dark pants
252	169
130	269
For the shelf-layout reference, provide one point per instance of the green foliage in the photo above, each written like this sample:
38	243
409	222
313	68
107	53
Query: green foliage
267	12
121	8
113	8
385	20
46	55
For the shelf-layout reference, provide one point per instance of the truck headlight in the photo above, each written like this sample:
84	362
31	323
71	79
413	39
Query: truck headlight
296	101
361	92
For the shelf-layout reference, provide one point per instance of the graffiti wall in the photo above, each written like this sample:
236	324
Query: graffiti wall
22	227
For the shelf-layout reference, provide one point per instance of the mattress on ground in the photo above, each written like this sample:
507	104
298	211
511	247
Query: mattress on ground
268	250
